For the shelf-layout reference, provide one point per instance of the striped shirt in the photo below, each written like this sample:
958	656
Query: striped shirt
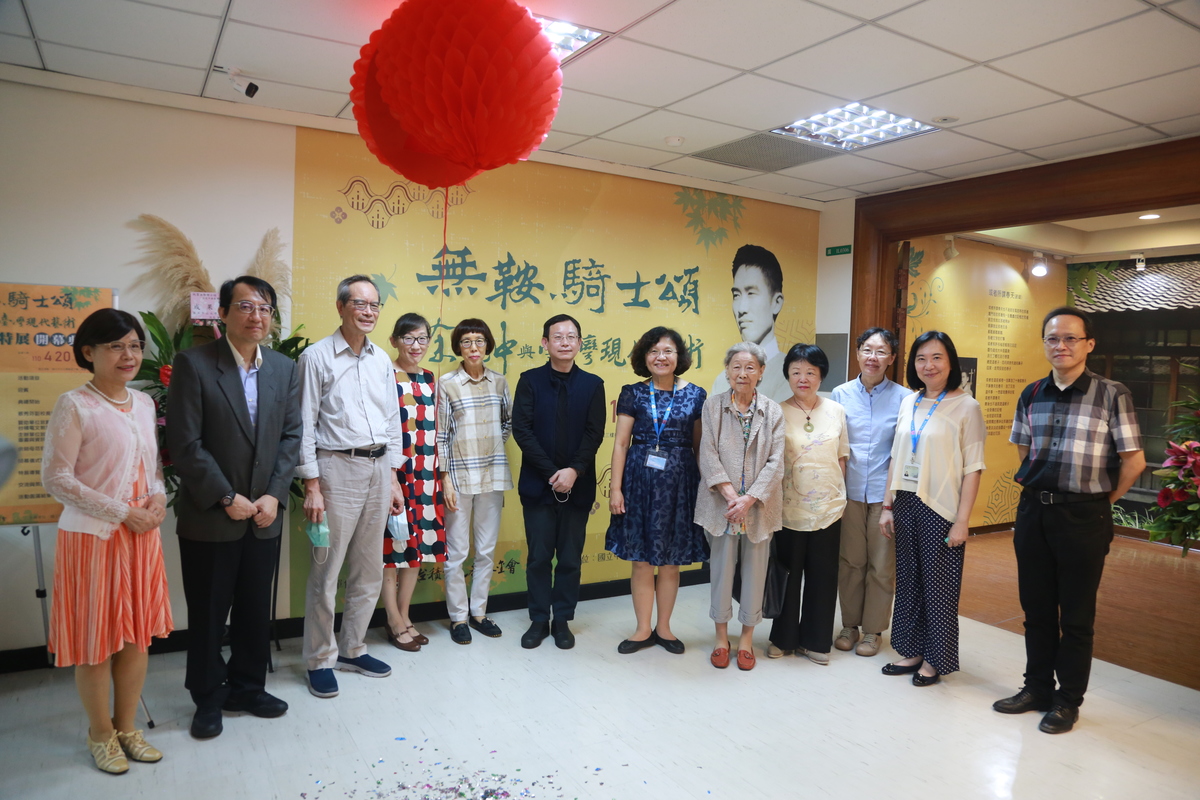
474	422
1074	435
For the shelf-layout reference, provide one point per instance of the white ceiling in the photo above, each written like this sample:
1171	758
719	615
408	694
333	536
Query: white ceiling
1029	80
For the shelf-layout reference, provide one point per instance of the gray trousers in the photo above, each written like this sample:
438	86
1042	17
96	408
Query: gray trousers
721	565
358	496
866	569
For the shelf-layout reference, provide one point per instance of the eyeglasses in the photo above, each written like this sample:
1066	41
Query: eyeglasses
569	338
120	348
409	341
660	353
248	308
867	352
1069	341
363	305
468	344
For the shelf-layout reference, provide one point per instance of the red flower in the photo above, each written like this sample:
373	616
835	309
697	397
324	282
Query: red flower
1181	495
1165	496
164	375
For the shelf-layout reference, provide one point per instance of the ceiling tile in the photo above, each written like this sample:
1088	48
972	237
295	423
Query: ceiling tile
212	8
19	50
589	114
833	194
279	95
903	182
745	34
347	112
867	9
1094	144
864	63
698	134
12	20
1045	125
987	165
971	95
932	150
619	153
1153	100
352	23
1005	27
1147	45
1180	127
120	69
699	168
559	141
753	101
845	170
782	184
610	15
287	57
1187	9
127	29
623	70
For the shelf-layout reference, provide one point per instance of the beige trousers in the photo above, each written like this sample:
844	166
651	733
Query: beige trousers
866	569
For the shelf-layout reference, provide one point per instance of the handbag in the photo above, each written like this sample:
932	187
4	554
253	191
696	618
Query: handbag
773	589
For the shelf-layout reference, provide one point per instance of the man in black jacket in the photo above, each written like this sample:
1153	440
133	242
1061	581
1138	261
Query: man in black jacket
558	422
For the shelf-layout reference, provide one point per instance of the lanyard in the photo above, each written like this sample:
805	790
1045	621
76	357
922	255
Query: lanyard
659	427
913	432
745	421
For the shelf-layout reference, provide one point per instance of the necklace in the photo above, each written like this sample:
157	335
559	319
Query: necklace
808	426
114	401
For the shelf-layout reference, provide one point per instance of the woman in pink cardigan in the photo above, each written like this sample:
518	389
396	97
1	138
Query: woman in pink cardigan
740	504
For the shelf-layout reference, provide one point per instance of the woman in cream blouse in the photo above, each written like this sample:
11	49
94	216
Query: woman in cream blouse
937	459
814	497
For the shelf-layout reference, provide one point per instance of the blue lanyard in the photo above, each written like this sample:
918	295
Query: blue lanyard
659	427
913	432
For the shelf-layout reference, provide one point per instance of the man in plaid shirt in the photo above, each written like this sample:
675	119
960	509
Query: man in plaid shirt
1081	450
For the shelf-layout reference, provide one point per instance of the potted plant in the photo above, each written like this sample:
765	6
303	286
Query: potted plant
1179	518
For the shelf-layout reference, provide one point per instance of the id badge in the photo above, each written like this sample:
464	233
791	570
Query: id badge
656	460
911	472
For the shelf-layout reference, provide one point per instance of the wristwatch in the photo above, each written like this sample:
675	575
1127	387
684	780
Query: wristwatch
227	500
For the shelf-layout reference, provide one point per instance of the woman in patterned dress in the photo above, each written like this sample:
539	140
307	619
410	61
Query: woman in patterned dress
110	586
424	537
654	480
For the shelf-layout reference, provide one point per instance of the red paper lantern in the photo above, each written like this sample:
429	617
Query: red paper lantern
466	83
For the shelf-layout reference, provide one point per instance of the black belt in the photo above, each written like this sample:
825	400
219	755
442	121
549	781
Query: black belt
651	443
354	451
1055	498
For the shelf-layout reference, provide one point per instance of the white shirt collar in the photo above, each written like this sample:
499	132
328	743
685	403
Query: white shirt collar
241	362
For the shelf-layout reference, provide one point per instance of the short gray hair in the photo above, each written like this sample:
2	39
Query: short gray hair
343	292
747	347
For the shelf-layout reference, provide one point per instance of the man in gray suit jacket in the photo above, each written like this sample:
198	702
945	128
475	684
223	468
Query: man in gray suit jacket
233	431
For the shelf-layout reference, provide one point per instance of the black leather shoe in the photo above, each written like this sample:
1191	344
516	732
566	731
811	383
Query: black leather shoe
563	638
925	680
460	633
897	669
258	703
1021	702
672	646
206	723
534	636
633	645
485	626
1060	719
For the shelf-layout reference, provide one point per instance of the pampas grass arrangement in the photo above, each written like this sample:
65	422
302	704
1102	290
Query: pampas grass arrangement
175	269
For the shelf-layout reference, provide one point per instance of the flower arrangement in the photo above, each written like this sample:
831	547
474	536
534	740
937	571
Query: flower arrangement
1179	519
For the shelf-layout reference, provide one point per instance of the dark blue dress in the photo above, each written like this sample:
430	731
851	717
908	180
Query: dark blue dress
660	505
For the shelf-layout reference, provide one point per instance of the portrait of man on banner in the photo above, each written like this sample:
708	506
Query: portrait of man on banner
757	300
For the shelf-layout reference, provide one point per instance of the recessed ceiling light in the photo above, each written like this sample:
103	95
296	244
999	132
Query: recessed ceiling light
566	39
1149	216
854	126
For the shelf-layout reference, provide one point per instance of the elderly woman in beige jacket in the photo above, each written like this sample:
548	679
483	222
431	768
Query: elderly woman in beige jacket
740	502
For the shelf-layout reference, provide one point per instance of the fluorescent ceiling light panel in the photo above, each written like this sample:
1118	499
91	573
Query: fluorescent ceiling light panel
854	126
566	39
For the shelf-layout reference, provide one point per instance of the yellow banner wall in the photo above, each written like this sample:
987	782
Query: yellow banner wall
524	243
992	309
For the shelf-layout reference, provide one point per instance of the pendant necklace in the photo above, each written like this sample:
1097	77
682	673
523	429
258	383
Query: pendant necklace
112	400
808	426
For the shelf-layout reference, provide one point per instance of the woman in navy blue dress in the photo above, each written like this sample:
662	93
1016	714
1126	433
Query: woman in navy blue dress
654	478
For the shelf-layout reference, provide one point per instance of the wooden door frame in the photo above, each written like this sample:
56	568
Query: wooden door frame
1155	176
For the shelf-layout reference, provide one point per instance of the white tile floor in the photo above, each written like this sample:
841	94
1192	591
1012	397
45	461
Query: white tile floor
589	723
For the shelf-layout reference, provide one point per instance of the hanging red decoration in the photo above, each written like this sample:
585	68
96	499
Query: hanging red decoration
446	89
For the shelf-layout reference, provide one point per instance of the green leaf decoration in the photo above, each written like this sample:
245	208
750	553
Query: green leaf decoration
708	213
387	289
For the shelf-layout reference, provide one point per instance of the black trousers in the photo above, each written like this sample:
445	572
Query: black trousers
220	578
810	598
554	532
1060	558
